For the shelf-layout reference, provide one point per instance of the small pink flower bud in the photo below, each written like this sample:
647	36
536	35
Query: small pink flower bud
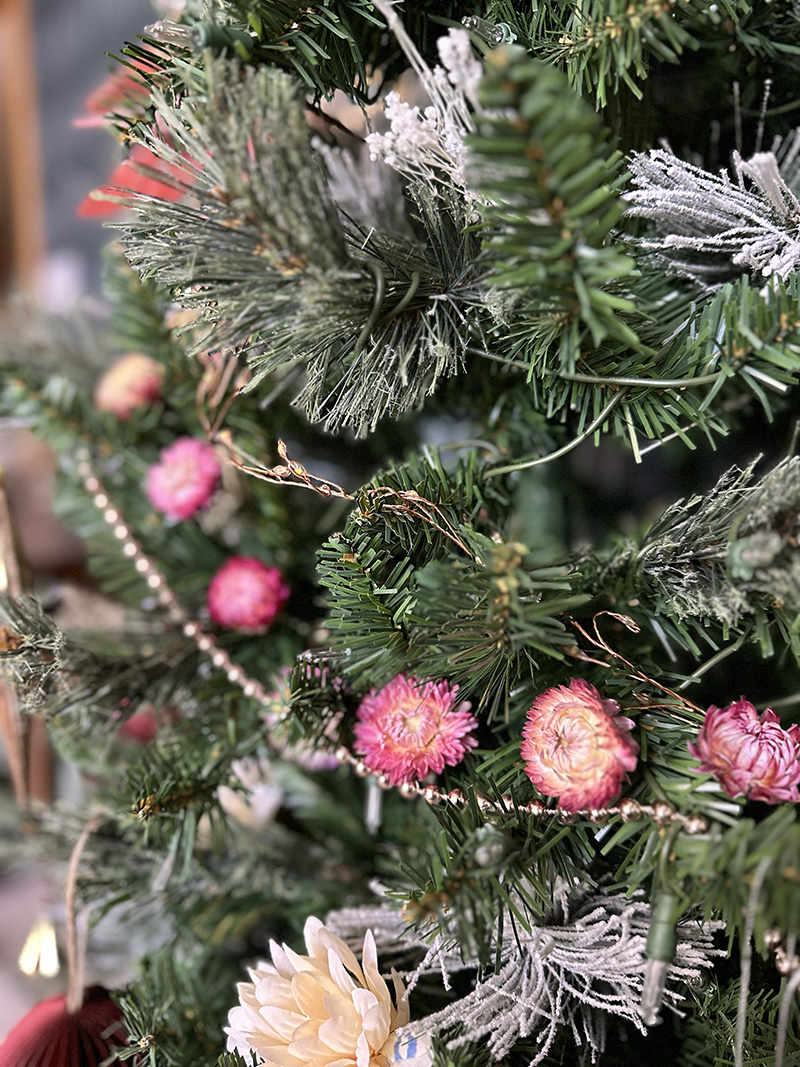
577	747
133	381
184	478
748	756
245	594
409	728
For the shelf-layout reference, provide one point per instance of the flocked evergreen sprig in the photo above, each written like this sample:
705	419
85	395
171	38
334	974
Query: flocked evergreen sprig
727	556
710	228
277	257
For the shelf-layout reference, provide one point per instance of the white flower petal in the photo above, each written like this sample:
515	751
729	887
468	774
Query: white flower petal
335	944
279	1023
272	989
338	973
280	959
321	1010
311	932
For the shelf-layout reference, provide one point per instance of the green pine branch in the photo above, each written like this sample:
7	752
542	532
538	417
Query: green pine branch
261	248
726	557
608	46
553	197
416	585
337	44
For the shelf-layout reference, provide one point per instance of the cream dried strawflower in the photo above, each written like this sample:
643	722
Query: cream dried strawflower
320	1010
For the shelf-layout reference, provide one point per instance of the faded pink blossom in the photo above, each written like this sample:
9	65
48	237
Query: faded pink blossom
246	594
577	747
184	478
132	382
748	756
409	728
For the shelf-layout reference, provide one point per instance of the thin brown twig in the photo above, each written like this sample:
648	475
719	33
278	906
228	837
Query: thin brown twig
288	473
76	954
600	642
416	506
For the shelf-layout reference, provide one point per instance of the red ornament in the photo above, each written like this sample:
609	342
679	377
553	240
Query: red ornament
49	1036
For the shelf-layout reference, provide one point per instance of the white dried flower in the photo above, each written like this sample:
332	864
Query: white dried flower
320	1010
255	806
428	144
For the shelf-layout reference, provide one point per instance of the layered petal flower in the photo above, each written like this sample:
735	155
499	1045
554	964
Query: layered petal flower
409	728
577	747
246	594
184	478
132	382
320	1010
750	756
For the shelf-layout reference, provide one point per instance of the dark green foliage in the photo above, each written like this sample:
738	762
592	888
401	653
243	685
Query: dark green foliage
553	198
332	44
720	563
176	1008
444	599
708	1035
277	259
689	350
467	1056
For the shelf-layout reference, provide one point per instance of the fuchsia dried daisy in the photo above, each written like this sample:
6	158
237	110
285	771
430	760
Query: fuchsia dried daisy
409	728
184	478
577	747
246	594
748	756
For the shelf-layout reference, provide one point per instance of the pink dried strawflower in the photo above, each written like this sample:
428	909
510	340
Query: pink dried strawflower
184	479
246	594
410	728
577	746
749	756
132	382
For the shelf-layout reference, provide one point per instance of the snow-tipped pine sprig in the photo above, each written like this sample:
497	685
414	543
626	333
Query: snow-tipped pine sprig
570	974
571	971
711	228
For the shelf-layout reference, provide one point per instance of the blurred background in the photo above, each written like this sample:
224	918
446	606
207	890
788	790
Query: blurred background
52	56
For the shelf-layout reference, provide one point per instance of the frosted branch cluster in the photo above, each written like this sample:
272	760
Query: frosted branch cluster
566	973
709	225
428	144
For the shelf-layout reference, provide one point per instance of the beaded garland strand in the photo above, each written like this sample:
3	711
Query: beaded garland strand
627	809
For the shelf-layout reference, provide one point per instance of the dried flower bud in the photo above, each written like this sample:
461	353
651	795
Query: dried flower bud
132	382
748	756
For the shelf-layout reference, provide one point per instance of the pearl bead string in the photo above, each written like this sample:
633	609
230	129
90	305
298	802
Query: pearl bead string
206	643
627	809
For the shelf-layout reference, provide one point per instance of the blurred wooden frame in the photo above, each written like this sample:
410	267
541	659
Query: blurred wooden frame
21	185
25	739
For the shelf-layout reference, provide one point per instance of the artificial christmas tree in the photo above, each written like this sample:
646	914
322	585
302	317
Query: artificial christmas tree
456	530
